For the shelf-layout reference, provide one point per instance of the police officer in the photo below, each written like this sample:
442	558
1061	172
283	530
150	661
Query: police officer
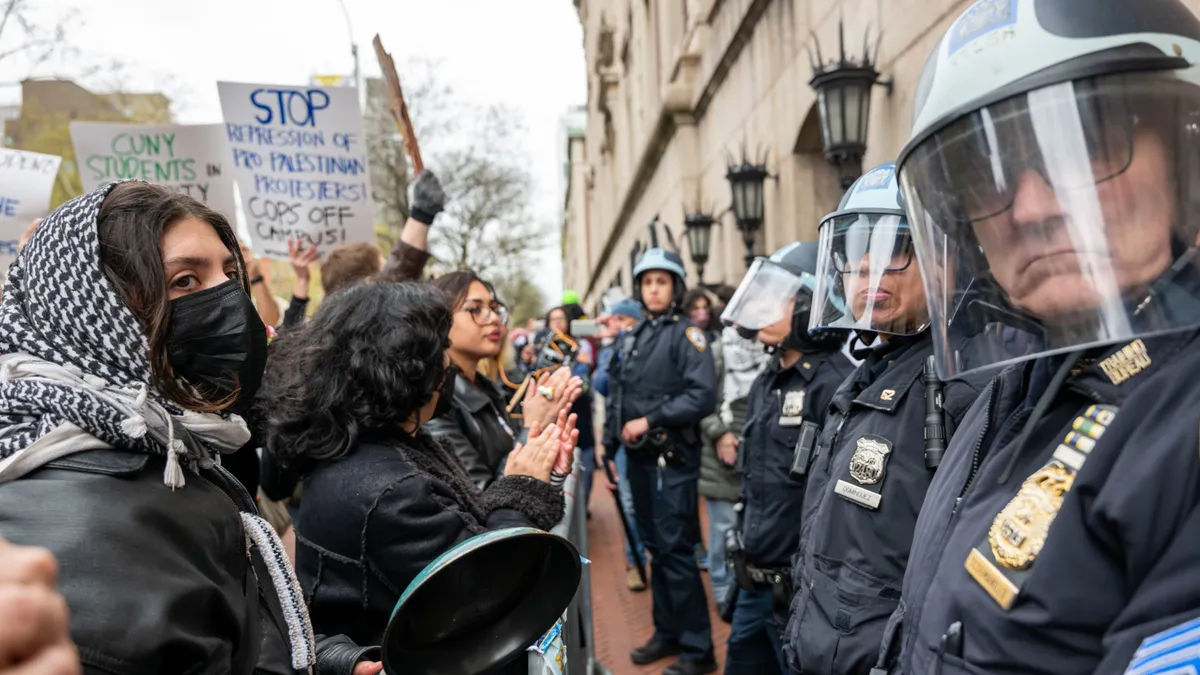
786	404
1053	166
664	386
871	468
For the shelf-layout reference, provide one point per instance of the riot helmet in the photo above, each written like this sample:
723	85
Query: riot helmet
1052	177
867	275
666	261
775	288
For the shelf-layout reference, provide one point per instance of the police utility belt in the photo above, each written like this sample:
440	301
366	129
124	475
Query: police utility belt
750	577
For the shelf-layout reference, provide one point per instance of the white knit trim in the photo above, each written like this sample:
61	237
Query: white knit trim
301	641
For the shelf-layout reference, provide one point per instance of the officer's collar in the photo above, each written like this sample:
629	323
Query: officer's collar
806	367
1108	374
905	359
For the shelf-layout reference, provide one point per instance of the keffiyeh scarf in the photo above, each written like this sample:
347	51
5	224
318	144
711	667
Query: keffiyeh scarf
74	376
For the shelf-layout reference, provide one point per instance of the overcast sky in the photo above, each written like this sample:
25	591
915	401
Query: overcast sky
524	53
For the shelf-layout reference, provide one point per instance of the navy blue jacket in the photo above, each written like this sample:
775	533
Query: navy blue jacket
665	373
771	500
1120	560
857	533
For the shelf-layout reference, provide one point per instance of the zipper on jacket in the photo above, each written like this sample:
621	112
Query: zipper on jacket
834	439
976	453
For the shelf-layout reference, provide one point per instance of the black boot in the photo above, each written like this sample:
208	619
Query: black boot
690	667
655	650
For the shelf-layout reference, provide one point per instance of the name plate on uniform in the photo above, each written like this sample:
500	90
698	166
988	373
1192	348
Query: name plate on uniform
858	494
1003	591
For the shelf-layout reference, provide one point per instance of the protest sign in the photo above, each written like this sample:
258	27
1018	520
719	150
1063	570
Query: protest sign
26	181
300	159
193	159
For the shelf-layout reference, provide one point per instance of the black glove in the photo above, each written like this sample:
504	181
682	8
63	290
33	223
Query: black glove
429	199
337	655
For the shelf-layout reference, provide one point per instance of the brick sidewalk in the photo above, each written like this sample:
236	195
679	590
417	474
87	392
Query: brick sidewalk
621	618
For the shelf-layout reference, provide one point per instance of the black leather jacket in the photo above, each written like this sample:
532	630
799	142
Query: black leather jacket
477	428
157	581
371	521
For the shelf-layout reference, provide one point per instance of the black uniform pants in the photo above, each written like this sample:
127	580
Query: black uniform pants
666	505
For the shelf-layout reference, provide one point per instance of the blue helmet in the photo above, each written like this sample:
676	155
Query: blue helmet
865	244
660	259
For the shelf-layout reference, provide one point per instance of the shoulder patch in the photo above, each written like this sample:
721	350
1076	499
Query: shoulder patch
696	337
1176	650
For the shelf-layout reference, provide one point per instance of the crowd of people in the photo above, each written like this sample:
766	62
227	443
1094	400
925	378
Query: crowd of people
955	434
147	424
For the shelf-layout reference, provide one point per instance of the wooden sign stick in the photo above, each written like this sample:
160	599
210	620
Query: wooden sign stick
397	106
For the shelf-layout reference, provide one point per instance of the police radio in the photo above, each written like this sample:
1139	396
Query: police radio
935	416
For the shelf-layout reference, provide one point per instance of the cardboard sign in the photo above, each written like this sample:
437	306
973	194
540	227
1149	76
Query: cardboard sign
300	159
193	159
26	181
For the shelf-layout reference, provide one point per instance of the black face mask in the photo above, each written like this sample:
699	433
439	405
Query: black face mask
446	393
216	341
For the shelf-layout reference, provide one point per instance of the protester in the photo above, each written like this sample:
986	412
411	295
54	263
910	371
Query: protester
620	319
347	266
128	338
664	386
34	639
719	486
557	319
477	426
349	397
697	306
1052	172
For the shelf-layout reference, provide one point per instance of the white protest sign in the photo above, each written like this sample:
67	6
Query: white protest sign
193	159
26	181
300	159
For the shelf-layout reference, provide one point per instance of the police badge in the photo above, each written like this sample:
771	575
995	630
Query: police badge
867	467
791	413
870	453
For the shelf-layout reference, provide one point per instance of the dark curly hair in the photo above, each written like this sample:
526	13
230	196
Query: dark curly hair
373	355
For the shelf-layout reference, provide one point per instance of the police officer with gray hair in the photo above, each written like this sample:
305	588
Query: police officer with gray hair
1053	171
786	405
665	384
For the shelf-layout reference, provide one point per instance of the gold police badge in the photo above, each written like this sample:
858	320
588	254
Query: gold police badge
866	466
1019	531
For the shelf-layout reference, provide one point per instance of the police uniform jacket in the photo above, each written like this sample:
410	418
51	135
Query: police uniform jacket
1092	543
780	401
665	373
865	488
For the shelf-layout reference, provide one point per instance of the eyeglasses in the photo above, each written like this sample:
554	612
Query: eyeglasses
980	159
483	314
866	244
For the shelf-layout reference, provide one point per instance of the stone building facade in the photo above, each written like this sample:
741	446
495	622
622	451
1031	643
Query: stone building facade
677	88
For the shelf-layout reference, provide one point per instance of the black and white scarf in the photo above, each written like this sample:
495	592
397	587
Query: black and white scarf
75	376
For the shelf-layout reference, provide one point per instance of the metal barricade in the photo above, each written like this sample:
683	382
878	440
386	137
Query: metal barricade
577	631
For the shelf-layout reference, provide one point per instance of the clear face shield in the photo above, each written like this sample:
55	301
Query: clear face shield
765	297
1060	219
867	276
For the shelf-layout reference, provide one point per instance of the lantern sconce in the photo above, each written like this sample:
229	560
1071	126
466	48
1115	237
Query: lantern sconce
844	103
